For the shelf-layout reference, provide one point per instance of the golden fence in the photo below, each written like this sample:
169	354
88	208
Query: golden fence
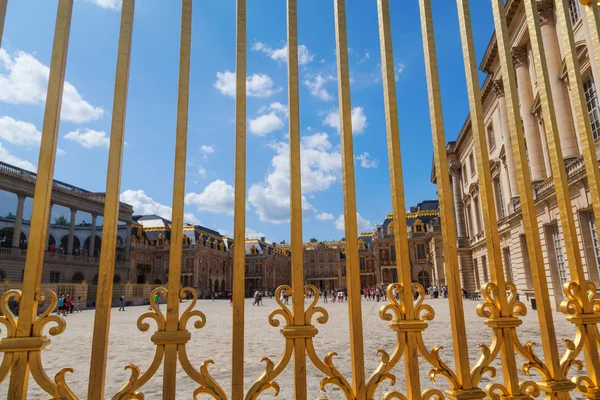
23	346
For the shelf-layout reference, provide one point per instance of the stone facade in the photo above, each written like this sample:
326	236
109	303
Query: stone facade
464	174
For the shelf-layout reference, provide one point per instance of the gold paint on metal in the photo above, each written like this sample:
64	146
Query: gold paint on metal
111	209
3	4
499	309
172	334
239	218
25	361
553	382
461	355
296	199
350	216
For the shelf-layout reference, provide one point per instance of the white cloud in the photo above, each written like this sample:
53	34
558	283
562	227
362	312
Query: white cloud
325	216
321	168
202	172
399	70
316	85
217	197
89	138
114	5
281	54
252	234
19	132
25	81
144	205
204	149
257	85
366	161
271	121
363	224
60	152
8	158
359	120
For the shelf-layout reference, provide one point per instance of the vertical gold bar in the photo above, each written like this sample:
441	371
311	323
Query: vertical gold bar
411	363
19	377
529	215
592	14
3	4
357	354
590	158
296	200
111	209
494	255
239	224
457	317
176	248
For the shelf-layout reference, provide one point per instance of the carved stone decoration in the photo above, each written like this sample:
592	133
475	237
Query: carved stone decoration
498	87
519	56
545	11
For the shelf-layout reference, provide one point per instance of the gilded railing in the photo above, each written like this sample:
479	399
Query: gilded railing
406	311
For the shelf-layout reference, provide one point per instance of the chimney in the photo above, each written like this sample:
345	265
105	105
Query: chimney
262	238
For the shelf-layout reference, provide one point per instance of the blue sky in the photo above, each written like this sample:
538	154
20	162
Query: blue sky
150	126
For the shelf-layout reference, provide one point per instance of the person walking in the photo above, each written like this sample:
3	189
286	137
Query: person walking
122	303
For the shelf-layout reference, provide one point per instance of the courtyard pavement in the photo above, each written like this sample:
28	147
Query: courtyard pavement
129	345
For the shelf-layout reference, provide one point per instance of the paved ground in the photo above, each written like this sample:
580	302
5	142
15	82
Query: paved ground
128	345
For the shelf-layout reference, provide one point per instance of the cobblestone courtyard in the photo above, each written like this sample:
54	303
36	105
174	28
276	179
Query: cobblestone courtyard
129	345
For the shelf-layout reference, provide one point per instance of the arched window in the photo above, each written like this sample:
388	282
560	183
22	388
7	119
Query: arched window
77	278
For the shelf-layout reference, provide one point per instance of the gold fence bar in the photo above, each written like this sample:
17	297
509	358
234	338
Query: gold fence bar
34	261
592	14
239	218
555	382
296	200
457	317
176	246
588	325
97	377
357	354
411	362
497	286
3	4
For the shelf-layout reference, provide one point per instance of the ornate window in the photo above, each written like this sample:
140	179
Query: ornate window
574	11
591	99
491	137
421	253
595	238
563	274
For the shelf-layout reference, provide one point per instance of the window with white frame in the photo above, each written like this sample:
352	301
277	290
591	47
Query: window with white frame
491	137
591	99
595	238
561	266
574	11
499	199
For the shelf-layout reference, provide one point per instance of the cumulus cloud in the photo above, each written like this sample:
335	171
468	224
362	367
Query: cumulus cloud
363	224
19	132
316	85
271	119
217	197
252	234
202	172
204	149
24	80
113	5
366	161
281	54
359	120
325	216
89	138
8	158
257	85
144	205
321	167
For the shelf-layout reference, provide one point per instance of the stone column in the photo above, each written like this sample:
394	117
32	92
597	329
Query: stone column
127	241
560	94
504	185
544	141
474	219
530	124
92	247
49	225
459	214
510	160
71	231
16	240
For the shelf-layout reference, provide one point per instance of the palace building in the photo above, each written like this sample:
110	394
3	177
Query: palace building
464	175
